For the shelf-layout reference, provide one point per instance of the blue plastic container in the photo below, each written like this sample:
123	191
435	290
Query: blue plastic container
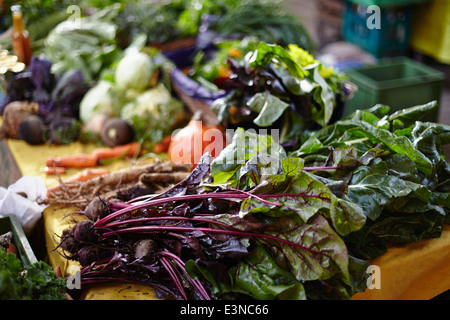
389	3
388	37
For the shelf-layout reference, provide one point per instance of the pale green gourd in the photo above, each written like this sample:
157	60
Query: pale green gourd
134	71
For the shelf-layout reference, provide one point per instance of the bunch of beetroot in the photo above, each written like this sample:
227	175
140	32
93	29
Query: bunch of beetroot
203	239
148	239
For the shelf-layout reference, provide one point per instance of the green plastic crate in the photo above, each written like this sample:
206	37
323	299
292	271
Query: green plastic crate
11	223
397	82
388	3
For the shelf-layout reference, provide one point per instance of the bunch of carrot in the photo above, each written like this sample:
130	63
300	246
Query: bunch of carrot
58	165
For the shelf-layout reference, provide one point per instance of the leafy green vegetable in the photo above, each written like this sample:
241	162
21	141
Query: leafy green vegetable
259	275
282	88
35	282
266	54
260	223
169	20
357	175
269	21
403	183
88	44
157	19
269	108
267	252
239	160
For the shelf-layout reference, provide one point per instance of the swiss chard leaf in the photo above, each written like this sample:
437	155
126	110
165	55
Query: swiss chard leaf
261	277
365	135
409	116
326	97
400	145
300	192
269	108
320	253
267	53
375	191
246	147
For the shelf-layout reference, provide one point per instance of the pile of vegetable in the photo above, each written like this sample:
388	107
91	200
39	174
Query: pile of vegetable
268	20
91	184
42	107
42	16
166	21
136	94
160	20
393	167
95	48
37	281
261	223
49	103
211	64
298	217
282	88
87	44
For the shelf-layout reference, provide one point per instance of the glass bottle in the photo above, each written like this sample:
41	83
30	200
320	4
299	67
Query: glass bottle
21	37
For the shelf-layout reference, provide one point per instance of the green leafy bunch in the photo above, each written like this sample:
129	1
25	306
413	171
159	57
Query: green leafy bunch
280	87
34	282
393	167
349	192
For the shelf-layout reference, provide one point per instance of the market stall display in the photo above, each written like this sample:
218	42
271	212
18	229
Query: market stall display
281	194
297	197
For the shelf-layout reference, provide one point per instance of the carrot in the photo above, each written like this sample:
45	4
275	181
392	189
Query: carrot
57	271
54	170
83	160
126	150
12	249
72	161
163	145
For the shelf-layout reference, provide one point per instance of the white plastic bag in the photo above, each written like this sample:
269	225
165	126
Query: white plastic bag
26	209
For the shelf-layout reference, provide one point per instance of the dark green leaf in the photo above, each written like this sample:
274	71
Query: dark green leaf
267	53
261	277
230	165
409	116
320	253
268	107
374	191
400	145
327	100
297	191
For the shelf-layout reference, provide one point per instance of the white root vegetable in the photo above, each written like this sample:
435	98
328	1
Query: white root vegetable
107	186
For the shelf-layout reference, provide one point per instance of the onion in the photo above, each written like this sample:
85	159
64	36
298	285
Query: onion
189	144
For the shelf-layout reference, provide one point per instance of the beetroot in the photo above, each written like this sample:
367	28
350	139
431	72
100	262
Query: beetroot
96	209
84	231
69	244
90	254
144	248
